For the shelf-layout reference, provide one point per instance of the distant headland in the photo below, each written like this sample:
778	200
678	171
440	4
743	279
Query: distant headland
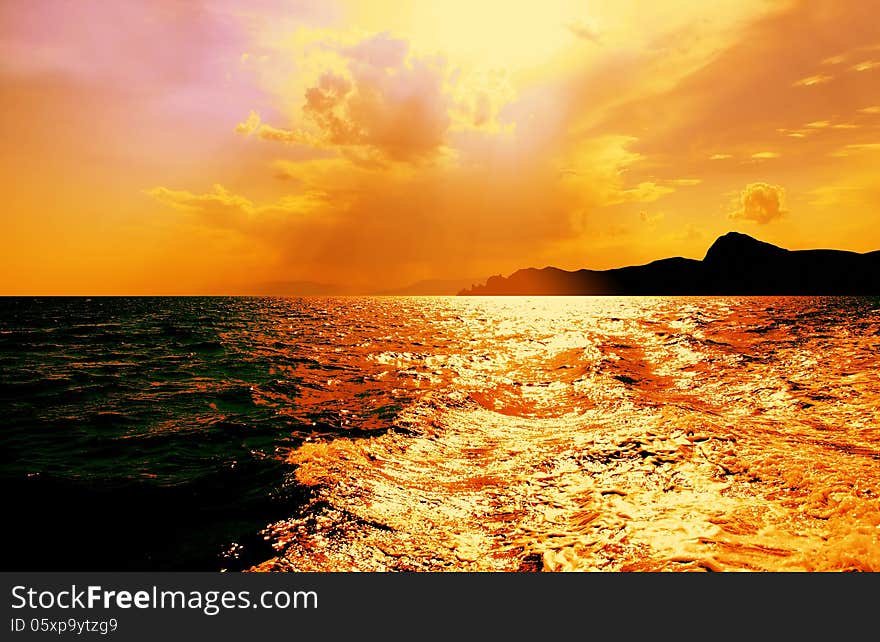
736	264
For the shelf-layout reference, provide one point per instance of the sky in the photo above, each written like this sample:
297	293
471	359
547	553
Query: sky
221	147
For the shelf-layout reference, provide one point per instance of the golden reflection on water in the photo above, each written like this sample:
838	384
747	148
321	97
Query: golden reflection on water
610	434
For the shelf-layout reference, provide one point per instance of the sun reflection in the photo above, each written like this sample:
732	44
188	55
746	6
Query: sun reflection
607	434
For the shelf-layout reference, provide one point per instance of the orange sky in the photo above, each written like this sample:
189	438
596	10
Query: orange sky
171	147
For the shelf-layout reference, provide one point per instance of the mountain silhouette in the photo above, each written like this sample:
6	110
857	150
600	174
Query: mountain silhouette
736	264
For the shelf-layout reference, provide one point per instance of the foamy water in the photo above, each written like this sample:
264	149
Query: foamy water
608	434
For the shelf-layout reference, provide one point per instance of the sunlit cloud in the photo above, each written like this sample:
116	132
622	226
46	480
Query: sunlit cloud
811	81
597	168
761	203
379	102
834	60
856	148
220	206
646	192
478	99
253	126
765	155
866	65
720	156
815	127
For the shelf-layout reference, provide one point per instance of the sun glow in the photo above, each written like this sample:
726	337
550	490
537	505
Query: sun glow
486	34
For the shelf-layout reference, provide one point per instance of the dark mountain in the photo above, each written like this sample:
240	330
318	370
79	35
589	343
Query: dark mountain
736	264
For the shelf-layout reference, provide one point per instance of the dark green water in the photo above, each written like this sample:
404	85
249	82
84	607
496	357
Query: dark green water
152	433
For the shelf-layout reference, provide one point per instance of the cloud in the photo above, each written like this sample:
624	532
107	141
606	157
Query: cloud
834	60
219	205
253	126
795	133
595	170
645	192
250	125
849	150
814	127
873	109
403	114
811	81
339	217
325	106
385	104
584	30
765	155
720	156
479	98
761	203
225	209
267	132
866	65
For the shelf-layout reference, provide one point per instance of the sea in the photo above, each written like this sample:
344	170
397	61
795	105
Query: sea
440	433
